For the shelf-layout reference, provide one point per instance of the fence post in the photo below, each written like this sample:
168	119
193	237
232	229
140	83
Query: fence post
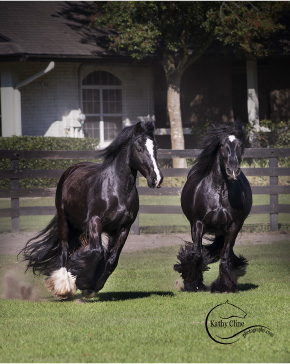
273	162
15	222
135	229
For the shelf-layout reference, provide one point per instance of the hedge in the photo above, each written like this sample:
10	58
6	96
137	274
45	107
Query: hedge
42	143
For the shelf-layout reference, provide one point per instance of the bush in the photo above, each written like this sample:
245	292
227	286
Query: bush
42	143
47	143
278	137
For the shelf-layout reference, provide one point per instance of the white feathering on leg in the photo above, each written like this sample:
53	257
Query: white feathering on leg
61	283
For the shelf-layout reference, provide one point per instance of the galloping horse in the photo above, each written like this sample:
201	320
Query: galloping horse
216	199
92	199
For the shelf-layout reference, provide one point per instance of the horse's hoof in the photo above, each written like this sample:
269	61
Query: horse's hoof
179	285
88	293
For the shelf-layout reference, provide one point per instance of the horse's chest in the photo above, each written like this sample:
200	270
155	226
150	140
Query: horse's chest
218	213
121	212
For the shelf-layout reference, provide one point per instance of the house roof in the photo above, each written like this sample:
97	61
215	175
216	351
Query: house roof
50	30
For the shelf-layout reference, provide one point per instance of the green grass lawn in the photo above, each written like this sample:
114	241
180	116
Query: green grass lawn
140	317
149	223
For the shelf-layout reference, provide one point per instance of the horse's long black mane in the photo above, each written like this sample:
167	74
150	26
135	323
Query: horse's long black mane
127	135
211	145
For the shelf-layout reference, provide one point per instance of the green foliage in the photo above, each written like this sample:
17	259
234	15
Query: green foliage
278	137
146	26
246	24
42	143
47	143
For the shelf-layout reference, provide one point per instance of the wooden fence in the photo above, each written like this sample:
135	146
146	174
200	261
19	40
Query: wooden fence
15	174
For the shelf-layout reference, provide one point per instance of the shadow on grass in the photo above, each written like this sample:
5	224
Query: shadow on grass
124	296
247	286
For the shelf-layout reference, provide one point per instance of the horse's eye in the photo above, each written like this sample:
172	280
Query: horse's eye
139	150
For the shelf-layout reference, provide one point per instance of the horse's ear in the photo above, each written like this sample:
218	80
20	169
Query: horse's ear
138	129
144	127
149	127
239	126
240	130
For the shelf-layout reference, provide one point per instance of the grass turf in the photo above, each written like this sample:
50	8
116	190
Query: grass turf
140	317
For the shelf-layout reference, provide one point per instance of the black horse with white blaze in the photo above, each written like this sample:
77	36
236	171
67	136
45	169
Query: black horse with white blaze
92	199
216	199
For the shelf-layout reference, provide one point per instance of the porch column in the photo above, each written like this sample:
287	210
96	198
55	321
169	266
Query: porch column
10	103
252	87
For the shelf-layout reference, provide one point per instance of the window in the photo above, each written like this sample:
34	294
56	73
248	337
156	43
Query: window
102	105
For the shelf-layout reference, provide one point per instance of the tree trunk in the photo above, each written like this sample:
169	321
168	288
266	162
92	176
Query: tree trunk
174	112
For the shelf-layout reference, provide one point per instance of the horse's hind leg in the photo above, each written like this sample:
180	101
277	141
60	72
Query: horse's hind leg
61	281
192	261
231	266
84	262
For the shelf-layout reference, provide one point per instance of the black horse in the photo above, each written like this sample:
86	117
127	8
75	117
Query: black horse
92	199
216	199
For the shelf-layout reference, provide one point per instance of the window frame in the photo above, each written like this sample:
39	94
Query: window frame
101	115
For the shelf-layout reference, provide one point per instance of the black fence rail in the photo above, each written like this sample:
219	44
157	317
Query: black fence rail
16	173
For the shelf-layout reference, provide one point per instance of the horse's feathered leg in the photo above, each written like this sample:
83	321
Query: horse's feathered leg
61	281
231	266
111	259
84	262
192	261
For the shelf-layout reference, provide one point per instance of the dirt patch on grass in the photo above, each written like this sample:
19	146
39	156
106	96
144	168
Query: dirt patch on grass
13	243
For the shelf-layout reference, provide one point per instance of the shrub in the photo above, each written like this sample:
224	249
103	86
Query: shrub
42	143
278	137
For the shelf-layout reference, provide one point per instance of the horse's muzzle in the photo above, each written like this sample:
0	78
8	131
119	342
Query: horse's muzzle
154	180
233	173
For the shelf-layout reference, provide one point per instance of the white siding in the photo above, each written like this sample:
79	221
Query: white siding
54	95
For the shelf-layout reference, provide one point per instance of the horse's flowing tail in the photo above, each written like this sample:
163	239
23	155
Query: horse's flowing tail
43	251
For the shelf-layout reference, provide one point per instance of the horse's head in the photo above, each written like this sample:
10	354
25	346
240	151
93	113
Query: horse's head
143	154
231	152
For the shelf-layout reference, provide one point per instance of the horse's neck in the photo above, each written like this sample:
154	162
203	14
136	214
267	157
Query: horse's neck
216	175
122	172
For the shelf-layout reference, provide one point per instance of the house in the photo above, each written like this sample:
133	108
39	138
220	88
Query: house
52	63
58	78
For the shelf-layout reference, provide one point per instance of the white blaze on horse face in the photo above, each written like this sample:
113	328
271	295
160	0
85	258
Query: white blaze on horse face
232	138
150	147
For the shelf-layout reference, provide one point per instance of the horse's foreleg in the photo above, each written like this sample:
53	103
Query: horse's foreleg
112	260
84	262
192	262
61	281
231	266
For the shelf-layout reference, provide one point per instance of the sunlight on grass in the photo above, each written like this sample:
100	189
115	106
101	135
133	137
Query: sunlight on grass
140	317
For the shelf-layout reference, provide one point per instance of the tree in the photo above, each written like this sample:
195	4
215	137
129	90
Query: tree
180	32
